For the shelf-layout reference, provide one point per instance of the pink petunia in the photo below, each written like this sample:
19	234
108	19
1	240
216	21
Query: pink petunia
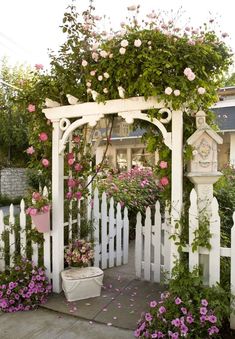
43	136
31	108
45	162
30	150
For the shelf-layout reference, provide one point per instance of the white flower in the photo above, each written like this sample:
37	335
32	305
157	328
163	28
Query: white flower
195	152
132	8
176	92
191	76
137	43
122	50
95	56
94	95
124	43
100	77
84	63
95	46
168	90
106	75
92	73
88	84
105	90
88	90
110	55
201	90
104	54
187	71
121	92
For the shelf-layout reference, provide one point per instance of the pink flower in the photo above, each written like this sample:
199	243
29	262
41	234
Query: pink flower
45	162
203	310
190	319
178	301
32	211
77	167
30	150
31	108
122	50
71	161
212	319
162	309
201	90
36	196
137	43
100	77
46	208
189	74
153	303
148	317
69	195
78	195
43	136
92	73
163	164
164	181
103	54
76	139
176	92
168	91
124	43
84	63
71	182
95	56
38	67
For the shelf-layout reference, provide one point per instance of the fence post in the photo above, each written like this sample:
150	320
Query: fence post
104	231
22	228
125	236
96	226
147	245
214	255
156	241
2	244
232	316
193	226
119	236
138	246
111	233
12	244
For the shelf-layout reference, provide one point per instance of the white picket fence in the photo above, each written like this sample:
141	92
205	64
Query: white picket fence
111	232
11	232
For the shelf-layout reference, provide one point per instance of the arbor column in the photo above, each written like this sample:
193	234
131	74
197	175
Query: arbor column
57	208
176	178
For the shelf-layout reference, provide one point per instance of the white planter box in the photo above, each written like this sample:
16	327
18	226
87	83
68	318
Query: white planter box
82	283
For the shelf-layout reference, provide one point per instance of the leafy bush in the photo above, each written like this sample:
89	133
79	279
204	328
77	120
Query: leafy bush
24	287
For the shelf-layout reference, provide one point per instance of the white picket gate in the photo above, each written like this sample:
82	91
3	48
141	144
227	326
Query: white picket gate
111	232
11	233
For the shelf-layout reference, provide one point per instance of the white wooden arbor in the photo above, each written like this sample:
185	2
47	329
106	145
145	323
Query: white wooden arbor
90	113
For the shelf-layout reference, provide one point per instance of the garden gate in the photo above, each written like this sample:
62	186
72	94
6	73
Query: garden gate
90	113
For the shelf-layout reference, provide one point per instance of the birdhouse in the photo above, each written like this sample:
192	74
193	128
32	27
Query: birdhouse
204	142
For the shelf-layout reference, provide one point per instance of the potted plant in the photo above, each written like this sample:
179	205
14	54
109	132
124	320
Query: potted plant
81	281
40	212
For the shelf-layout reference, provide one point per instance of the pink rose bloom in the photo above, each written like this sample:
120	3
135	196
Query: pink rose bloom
77	167
43	136
124	43
70	155
78	195
71	182
137	43
163	164
191	76
69	195
46	208
103	54
33	211
187	71
30	150
84	63
168	91
31	108
45	162
122	50
76	139
71	161
176	92
201	90
38	67
92	73
36	196
164	181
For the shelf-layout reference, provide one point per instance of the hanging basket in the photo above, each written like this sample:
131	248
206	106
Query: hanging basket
42	221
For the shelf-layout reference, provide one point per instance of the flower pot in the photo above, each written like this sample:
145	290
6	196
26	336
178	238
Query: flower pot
42	221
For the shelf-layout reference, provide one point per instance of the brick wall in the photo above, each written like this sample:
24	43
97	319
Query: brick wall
13	182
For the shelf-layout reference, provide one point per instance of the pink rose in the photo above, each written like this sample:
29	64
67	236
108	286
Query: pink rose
137	43
76	139
77	167
78	195
71	182
32	211
168	91
30	150
164	181
45	162
36	196
45	208
124	43
163	164
122	50
69	195
84	63
38	67
43	136
31	108
71	161
70	155
176	92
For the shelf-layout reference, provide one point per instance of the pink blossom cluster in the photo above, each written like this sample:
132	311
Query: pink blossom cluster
160	321
79	253
40	204
24	288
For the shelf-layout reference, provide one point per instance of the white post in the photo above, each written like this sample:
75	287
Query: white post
176	178
57	208
232	149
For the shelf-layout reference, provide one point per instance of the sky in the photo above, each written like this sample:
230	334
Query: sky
28	28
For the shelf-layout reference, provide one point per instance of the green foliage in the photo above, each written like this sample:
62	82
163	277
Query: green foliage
230	81
6	200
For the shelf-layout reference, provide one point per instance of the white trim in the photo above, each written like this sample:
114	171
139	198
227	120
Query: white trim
224	103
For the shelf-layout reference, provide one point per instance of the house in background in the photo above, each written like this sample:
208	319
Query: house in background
128	150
